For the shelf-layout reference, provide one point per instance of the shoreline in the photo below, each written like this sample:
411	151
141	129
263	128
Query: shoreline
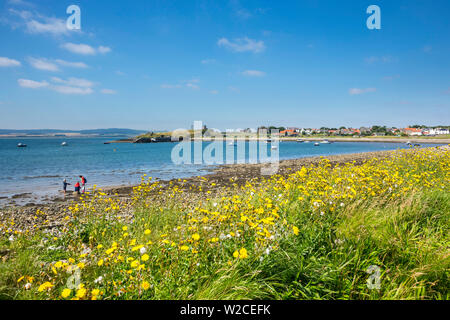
214	172
224	177
428	140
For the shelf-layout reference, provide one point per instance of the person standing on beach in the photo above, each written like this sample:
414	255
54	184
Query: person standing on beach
65	184
83	184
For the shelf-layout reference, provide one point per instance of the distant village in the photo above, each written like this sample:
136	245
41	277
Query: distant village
362	131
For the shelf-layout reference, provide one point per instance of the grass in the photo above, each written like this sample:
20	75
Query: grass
310	235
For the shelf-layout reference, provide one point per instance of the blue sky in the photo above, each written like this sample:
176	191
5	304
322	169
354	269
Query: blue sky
157	65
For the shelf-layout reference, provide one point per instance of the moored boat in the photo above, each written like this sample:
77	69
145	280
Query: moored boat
21	145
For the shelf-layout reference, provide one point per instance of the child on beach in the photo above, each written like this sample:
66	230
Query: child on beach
65	184
77	187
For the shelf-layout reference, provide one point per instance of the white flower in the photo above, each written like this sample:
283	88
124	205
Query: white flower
11	238
99	279
27	286
142	250
86	251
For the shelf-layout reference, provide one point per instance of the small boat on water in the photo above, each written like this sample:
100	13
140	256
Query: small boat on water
325	142
64	144
300	141
316	144
274	147
21	145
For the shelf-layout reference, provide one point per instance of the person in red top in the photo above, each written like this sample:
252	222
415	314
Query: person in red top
83	184
77	187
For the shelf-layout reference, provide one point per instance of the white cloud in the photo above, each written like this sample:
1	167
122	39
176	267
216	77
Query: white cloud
43	64
24	14
80	65
356	91
243	13
192	84
108	91
51	25
214	92
26	83
242	45
36	23
253	73
72	90
382	59
103	49
69	86
85	49
6	62
74	82
20	3
391	77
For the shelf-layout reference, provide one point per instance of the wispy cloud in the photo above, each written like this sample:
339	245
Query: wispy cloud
214	92
26	83
391	77
242	45
191	84
234	89
74	82
382	59
50	25
84	49
80	65
7	62
72	90
36	23
108	91
243	13
253	73
53	65
75	86
43	64
20	3
356	91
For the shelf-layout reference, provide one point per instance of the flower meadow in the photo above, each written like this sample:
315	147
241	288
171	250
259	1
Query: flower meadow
309	234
